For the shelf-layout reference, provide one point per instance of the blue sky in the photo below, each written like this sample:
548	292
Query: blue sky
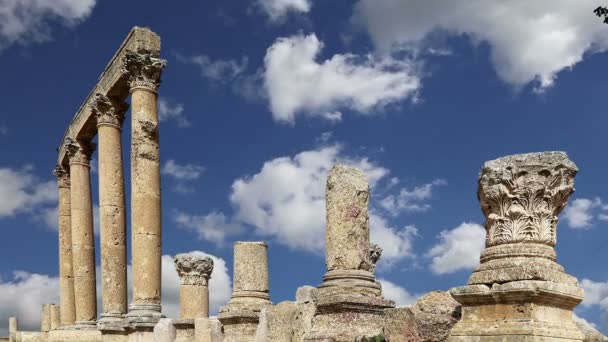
260	98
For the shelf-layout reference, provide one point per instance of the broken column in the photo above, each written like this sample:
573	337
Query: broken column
83	243
519	291
194	273
66	272
110	117
55	317
250	294
142	70
349	292
45	321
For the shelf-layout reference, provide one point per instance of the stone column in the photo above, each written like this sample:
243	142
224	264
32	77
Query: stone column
111	209
83	243
45	321
519	291
143	70
194	273
13	327
66	272
55	317
250	294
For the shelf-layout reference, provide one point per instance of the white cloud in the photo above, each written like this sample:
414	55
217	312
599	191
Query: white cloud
580	212
580	319
277	10
529	40
214	227
596	293
396	244
182	172
22	192
457	249
23	296
172	111
23	21
411	200
397	293
297	84
219	70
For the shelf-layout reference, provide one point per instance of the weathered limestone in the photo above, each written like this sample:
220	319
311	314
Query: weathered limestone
83	245
143	69
45	321
66	272
194	273
250	294
55	317
349	291
435	314
519	291
110	117
13	327
208	330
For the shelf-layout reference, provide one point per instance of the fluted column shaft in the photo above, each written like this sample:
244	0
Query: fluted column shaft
111	208
83	244
66	272
143	72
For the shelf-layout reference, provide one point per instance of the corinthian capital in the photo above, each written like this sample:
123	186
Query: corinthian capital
521	196
193	270
79	152
143	69
63	176
107	112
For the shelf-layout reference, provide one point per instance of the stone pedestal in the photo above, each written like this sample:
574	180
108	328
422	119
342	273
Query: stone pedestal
75	335
194	273
110	117
83	243
143	70
350	304
251	292
519	291
66	272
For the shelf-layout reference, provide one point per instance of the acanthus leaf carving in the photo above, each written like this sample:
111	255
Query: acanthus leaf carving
143	69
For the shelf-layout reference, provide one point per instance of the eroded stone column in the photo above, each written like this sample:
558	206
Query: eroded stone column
194	273
13	327
519	291
112	214
55	317
45	321
250	294
83	243
66	272
143	70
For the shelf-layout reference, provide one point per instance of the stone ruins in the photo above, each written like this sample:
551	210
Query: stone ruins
518	292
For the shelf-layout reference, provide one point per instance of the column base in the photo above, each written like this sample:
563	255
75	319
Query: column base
84	325
112	322
355	282
516	311
144	315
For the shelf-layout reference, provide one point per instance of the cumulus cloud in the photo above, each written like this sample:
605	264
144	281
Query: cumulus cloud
23	296
277	10
22	192
530	41
23	21
182	172
400	295
411	200
580	213
596	293
170	111
457	249
396	243
296	83
214	227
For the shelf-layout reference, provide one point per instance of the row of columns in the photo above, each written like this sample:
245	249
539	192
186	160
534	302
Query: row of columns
78	296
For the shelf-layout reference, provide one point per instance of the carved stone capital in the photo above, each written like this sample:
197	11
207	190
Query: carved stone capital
79	152
143	69
63	176
521	196
107	112
193	270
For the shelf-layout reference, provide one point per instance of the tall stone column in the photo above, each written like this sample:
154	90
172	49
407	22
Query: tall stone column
143	70
519	291
83	243
111	209
66	272
194	273
45	321
55	317
250	294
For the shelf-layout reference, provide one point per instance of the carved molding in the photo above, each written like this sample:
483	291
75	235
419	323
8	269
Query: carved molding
63	176
108	113
143	69
521	196
193	270
79	152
